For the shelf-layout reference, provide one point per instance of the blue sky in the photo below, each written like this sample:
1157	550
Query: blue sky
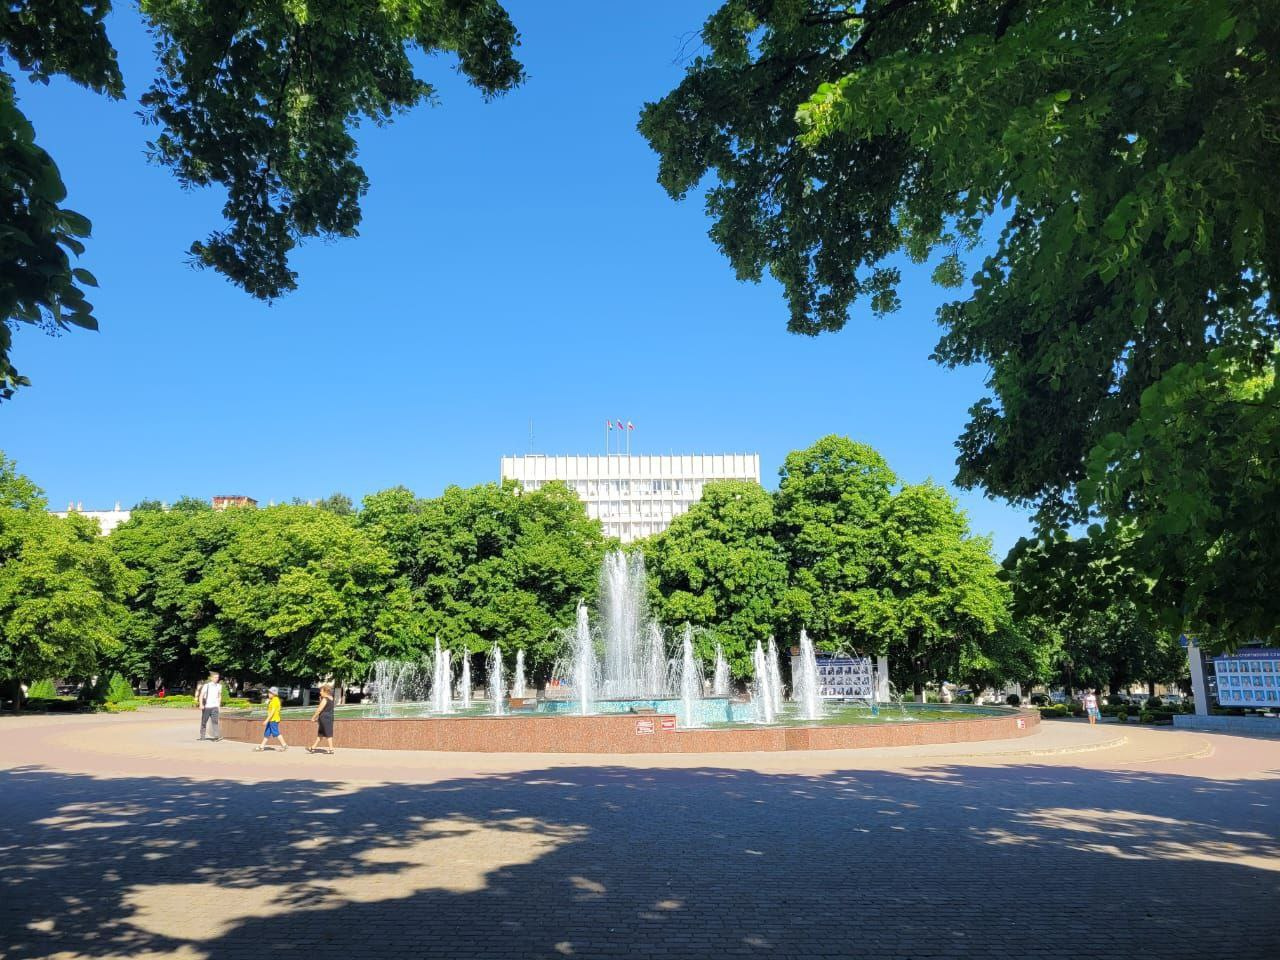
517	260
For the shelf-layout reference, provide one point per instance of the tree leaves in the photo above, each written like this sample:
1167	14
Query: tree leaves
261	98
1110	151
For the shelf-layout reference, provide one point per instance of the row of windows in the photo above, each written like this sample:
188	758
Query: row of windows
628	488
658	510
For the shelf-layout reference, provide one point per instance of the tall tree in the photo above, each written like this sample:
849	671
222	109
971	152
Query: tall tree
719	566
300	593
935	594
497	564
169	553
1109	152
829	504
260	98
60	588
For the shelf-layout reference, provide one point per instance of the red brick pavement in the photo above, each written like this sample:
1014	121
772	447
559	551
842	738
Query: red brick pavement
1165	846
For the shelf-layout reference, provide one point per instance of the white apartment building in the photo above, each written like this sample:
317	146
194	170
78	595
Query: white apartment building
633	496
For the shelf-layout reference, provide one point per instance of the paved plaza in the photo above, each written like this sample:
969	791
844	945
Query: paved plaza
122	837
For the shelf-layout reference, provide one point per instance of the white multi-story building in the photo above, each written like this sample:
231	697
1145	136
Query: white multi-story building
633	496
108	520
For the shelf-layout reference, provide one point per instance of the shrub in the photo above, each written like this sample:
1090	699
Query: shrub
188	701
1039	699
126	706
1013	700
1155	703
1121	715
119	690
1055	711
42	690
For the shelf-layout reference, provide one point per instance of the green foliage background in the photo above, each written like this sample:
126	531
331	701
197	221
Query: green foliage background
294	592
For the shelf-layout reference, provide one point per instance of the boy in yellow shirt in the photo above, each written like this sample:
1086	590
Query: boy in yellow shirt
271	729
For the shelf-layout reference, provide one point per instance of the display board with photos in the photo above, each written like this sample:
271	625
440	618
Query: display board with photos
1249	678
846	677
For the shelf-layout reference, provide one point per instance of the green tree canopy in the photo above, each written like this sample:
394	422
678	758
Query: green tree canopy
170	554
259	98
1108	155
935	595
60	587
830	500
298	592
719	566
497	564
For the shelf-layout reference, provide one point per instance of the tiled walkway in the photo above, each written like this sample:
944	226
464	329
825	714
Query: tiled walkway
122	837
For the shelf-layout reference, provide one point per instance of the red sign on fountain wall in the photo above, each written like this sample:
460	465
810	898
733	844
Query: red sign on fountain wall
668	723
643	727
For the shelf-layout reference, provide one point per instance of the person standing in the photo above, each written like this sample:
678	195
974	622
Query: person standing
323	719
1091	707
209	700
271	728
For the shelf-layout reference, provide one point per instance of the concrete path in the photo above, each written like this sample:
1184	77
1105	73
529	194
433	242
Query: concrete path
123	837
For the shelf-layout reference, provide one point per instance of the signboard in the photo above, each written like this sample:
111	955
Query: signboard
644	727
846	677
668	723
1249	678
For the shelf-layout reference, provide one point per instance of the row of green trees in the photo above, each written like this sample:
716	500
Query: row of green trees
842	549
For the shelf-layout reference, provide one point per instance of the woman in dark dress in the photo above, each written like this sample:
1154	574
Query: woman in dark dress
323	719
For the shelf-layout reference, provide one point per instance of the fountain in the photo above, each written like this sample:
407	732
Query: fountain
774	674
690	681
634	663
805	684
497	683
441	682
896	697
517	684
464	683
619	665
720	678
392	682
762	690
584	663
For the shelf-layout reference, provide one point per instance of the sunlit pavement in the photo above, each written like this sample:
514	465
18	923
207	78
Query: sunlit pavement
124	837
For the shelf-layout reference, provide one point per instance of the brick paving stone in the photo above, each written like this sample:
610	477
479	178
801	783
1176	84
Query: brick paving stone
1154	848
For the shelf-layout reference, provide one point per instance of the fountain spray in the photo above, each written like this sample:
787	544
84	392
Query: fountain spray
497	682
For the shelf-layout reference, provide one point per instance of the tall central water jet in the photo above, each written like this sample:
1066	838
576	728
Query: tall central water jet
762	692
517	684
634	656
690	680
806	683
464	683
441	682
720	678
497	682
584	662
774	675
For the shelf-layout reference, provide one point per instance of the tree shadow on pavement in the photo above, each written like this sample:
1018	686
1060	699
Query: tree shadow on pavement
617	862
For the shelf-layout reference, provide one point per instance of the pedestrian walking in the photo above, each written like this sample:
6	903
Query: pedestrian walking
323	719
1091	707
209	701
271	728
